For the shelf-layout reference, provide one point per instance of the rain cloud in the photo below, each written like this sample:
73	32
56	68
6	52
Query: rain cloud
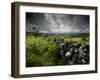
57	23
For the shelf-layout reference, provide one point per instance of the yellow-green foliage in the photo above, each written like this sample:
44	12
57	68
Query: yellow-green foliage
42	50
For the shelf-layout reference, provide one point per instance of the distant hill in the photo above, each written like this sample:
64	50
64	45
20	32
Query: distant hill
59	34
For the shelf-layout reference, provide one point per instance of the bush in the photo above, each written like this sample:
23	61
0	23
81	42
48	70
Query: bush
40	50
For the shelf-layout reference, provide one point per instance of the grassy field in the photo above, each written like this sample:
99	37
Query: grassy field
42	50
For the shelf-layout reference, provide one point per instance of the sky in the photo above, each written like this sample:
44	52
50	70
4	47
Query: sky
57	23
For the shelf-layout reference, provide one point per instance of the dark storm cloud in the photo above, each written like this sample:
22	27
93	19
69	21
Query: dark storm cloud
57	23
38	20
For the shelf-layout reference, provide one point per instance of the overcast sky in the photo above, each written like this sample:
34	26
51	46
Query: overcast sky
57	23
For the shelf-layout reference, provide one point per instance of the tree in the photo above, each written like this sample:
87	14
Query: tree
35	28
